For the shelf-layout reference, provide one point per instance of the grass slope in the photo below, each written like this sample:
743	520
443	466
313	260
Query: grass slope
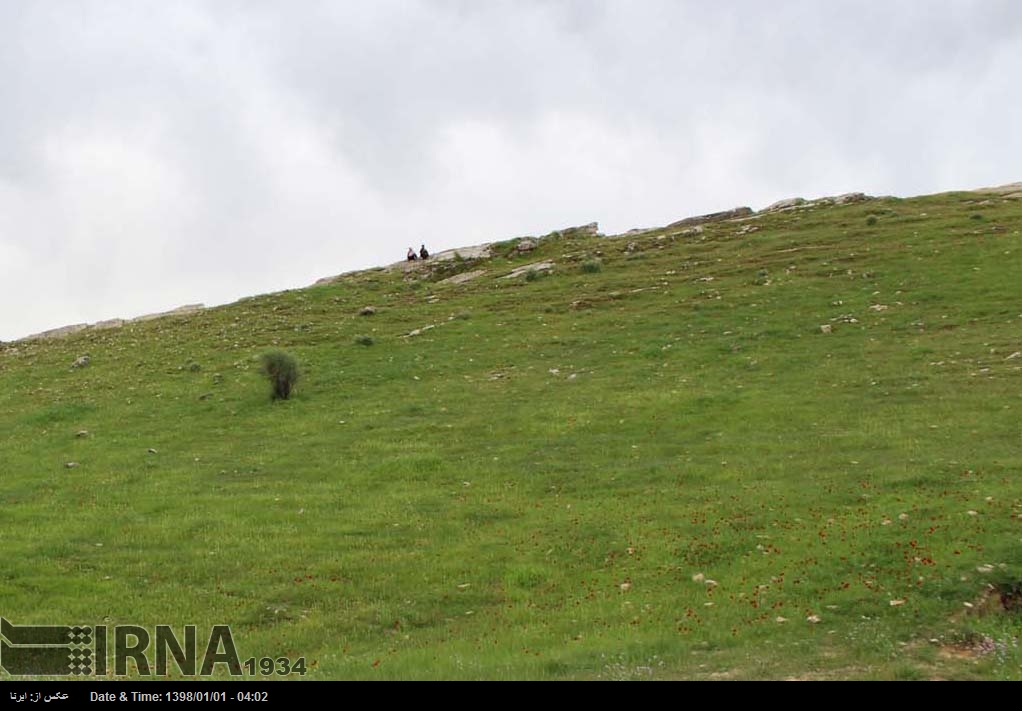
651	463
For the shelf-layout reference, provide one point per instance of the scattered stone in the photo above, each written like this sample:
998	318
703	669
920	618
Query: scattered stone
71	465
367	311
879	307
826	328
625	587
1014	356
82	434
525	246
850	198
747	230
420	331
205	396
81	361
152	451
692	231
632	247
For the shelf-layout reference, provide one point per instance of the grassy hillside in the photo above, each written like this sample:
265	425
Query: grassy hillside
652	462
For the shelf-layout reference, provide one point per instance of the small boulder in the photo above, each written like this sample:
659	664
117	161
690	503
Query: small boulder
81	361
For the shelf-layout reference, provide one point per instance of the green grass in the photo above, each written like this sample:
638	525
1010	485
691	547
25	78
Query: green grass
543	484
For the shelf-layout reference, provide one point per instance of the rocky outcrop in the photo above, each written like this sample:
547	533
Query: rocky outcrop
785	204
734	214
1011	190
463	277
590	230
797	202
534	267
525	246
109	323
58	332
179	311
113	323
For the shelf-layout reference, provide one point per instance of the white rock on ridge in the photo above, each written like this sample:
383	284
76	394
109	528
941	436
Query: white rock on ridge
179	311
849	198
1011	190
59	332
786	204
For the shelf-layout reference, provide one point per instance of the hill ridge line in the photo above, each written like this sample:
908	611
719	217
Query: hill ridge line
483	251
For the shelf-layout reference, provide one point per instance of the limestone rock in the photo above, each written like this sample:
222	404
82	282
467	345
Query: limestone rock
734	214
1009	190
535	266
786	204
81	361
59	332
463	277
108	324
186	310
589	230
850	198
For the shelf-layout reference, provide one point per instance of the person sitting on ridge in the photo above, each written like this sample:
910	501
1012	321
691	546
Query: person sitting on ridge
411	255
423	253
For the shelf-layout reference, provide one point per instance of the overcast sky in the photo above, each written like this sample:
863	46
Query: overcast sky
154	154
